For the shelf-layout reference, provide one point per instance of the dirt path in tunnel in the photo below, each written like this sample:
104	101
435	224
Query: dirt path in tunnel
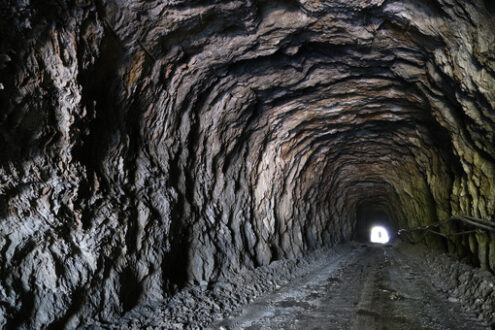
372	287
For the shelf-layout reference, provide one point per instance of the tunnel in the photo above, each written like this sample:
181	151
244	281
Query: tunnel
166	163
369	216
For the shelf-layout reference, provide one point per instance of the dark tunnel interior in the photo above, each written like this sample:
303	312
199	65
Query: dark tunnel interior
148	148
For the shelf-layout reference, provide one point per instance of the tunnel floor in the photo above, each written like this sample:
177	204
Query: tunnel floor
370	287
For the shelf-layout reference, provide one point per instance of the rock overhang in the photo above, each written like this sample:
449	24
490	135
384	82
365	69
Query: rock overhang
181	141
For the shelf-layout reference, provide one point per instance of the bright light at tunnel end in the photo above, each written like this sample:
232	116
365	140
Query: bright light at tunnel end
379	235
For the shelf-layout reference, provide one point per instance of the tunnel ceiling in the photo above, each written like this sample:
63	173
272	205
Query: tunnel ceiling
149	144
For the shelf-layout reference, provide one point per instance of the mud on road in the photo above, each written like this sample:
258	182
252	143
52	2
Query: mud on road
370	287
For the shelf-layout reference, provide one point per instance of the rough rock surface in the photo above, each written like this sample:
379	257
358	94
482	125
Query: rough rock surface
473	288
148	145
197	307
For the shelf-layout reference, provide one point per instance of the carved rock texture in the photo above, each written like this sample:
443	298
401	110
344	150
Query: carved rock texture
146	145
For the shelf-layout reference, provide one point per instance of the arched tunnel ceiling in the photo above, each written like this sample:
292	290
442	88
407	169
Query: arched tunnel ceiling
165	142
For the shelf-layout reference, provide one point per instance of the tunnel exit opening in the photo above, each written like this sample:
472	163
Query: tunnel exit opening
379	234
374	223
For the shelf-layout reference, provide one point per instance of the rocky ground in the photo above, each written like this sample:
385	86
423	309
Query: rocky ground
472	287
373	287
197	307
355	286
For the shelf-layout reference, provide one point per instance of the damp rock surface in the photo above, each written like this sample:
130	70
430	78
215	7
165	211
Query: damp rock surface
148	146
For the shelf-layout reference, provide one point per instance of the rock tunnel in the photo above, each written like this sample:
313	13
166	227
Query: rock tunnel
151	146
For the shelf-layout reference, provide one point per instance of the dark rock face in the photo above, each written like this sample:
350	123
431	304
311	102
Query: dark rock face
146	145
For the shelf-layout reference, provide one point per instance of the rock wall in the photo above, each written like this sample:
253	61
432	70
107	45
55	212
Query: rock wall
147	145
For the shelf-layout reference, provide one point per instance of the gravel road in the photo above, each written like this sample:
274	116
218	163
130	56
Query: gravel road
370	287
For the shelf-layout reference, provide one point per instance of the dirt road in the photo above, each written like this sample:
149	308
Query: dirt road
372	287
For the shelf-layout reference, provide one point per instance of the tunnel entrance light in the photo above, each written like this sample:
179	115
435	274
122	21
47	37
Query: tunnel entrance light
379	235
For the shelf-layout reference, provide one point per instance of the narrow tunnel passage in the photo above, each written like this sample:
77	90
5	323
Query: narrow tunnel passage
164	163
